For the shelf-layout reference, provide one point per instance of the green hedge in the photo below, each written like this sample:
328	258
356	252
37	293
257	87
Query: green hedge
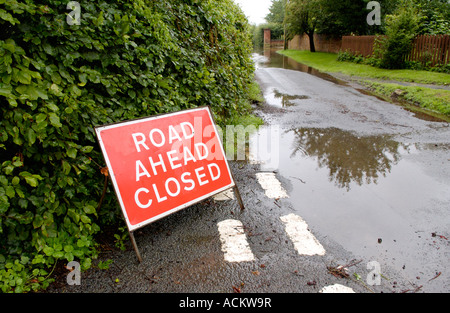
128	59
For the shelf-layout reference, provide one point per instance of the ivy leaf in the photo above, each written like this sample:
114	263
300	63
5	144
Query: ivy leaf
5	90
15	181
38	222
48	251
40	118
4	204
8	17
72	153
58	254
52	106
32	181
87	149
66	167
68	248
54	120
10	192
85	219
31	136
89	209
24	77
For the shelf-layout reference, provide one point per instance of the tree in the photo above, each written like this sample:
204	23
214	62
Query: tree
434	16
276	19
343	17
276	12
303	16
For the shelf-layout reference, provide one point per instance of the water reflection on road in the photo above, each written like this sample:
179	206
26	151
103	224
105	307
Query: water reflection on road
349	158
270	58
354	188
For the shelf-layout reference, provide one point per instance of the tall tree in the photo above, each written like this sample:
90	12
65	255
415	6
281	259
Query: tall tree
343	17
302	17
276	12
434	16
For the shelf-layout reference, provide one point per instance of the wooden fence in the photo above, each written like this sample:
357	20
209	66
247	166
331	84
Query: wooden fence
425	48
362	45
434	49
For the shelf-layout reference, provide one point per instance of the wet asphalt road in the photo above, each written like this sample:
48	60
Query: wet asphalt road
371	180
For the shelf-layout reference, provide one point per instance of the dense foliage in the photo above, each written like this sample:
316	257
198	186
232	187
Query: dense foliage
434	16
401	29
127	59
349	17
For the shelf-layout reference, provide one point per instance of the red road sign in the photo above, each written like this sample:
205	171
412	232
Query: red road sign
162	164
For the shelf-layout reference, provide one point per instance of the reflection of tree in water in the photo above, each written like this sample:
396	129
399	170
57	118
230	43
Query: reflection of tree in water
348	157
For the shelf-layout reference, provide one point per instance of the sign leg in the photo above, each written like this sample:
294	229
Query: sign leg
239	198
136	249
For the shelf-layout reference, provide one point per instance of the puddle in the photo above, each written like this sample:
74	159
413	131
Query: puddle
370	194
275	98
271	59
350	160
357	189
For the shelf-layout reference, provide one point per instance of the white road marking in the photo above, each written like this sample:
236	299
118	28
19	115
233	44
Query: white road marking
234	242
225	196
337	289
271	185
304	241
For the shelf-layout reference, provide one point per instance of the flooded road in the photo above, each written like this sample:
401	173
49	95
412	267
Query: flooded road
334	178
363	172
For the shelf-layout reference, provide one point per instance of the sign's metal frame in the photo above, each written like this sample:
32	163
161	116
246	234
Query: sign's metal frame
131	230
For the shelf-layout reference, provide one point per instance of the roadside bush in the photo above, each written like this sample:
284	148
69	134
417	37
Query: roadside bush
126	60
441	68
347	56
401	29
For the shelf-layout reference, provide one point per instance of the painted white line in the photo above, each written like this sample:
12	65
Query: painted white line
225	196
234	242
271	185
304	241
336	289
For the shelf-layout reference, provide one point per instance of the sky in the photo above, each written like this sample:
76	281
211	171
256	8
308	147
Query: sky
256	10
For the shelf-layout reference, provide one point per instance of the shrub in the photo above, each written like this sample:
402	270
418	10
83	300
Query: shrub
401	29
128	59
441	68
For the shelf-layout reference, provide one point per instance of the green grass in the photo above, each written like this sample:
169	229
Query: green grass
255	93
427	98
327	62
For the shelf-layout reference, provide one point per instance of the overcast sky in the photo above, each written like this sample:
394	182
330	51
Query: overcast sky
256	10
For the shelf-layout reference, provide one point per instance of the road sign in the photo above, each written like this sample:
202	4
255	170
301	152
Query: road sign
162	164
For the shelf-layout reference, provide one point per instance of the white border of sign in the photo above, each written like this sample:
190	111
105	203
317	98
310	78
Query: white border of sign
132	228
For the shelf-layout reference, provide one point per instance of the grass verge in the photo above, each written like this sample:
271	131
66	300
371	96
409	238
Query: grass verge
435	100
327	62
429	99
